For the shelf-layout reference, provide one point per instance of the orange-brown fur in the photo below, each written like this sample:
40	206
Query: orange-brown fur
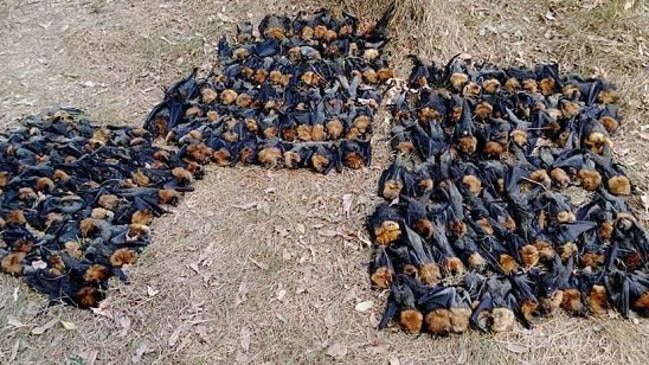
382	277
96	273
454	265
590	179
619	185
458	80
392	189
270	156
508	264
411	320
473	184
560	177
429	274
87	297
571	301
483	110
387	232
530	255
16	217
12	263
438	322
123	256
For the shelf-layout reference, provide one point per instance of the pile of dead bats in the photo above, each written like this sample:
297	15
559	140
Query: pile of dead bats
478	230
300	92
77	199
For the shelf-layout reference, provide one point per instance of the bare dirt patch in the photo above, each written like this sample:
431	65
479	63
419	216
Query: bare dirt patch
280	280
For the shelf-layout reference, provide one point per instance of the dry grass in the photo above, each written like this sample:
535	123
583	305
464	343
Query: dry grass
266	283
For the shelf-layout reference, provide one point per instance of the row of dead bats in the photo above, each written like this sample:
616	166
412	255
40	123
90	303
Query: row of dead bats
476	231
77	199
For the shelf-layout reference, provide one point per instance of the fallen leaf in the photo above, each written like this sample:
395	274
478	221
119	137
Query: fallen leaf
245	339
395	361
245	206
300	228
376	350
283	232
330	320
70	326
41	329
281	294
102	312
152	292
194	267
337	351
201	332
261	265
14	322
364	306
517	349
123	321
140	350
347	204
88	357
286	255
374	320
184	343
328	233
14	350
549	15
645	201
174	336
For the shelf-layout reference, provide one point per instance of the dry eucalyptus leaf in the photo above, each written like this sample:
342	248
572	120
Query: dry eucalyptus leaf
337	351
517	349
330	320
123	321
286	255
395	361
347	204
645	201
194	267
246	206
376	350
364	306
260	265
14	322
245	339
141	349
281	294
328	233
70	326
152	292
201	332
174	336
374	320
300	228
89	357
41	329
